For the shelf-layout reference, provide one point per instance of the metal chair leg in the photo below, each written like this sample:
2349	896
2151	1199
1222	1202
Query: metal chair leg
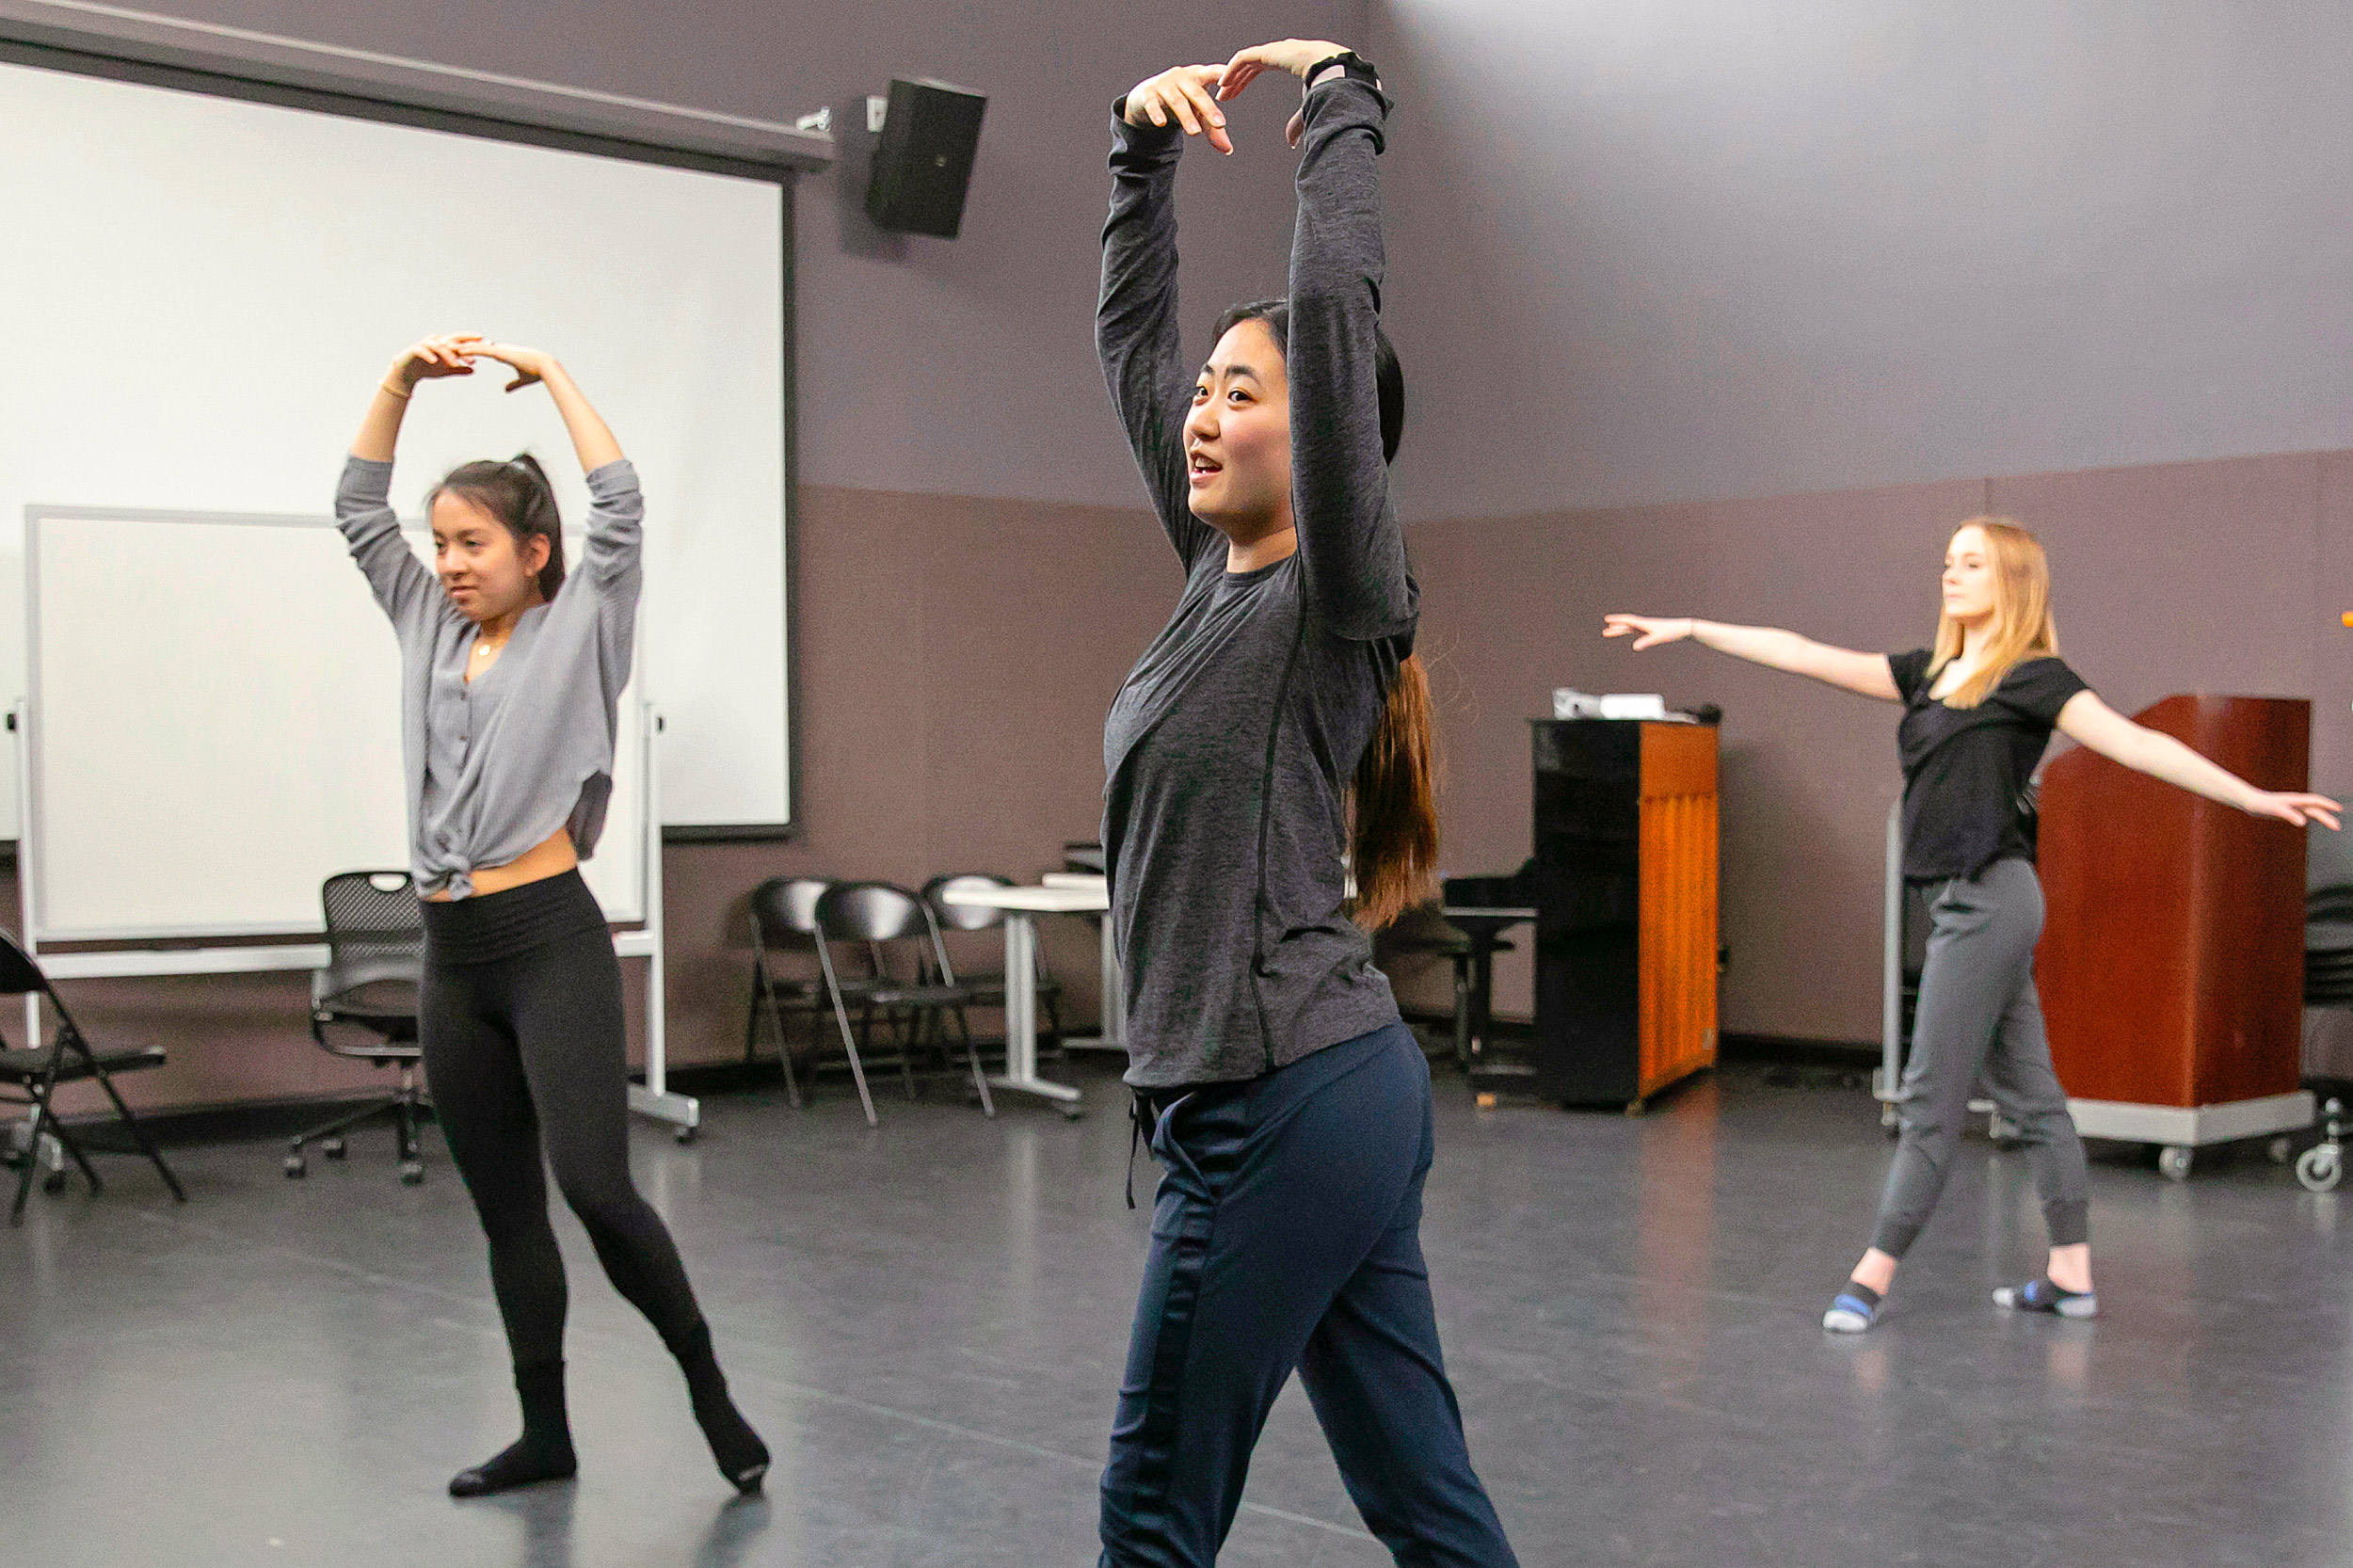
32	1163
906	1064
784	1045
973	1055
841	1017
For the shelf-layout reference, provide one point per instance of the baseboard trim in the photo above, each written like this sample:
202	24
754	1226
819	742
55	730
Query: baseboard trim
1796	1050
228	1122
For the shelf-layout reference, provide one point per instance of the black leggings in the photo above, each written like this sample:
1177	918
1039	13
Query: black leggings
524	1045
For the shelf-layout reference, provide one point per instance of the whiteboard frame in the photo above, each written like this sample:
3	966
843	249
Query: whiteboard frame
32	844
80	40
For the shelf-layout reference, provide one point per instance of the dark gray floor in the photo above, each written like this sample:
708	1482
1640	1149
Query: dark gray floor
927	1320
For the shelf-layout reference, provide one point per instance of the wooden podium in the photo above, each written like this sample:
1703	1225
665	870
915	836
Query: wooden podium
1626	908
2173	960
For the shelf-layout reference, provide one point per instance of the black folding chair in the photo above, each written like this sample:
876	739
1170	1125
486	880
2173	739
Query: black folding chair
363	1005
34	1072
784	920
877	915
989	983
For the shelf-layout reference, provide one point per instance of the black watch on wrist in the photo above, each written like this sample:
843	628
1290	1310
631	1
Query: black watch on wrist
1349	62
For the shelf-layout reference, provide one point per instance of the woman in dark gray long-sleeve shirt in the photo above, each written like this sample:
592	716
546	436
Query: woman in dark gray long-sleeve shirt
1274	737
510	669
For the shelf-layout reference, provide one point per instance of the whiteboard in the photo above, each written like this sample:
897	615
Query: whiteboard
214	707
204	292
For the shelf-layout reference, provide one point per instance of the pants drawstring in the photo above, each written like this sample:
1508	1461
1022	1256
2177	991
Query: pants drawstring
1139	1113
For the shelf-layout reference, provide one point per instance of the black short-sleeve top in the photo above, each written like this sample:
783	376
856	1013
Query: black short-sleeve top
1969	772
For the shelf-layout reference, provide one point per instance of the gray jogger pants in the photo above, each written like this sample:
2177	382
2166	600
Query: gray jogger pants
1980	1017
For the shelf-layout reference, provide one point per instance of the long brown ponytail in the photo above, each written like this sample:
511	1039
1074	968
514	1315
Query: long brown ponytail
1393	843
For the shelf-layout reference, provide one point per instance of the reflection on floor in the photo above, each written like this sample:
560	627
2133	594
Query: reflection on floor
927	1320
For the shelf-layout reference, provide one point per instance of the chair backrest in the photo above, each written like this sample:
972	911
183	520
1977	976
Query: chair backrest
784	908
964	916
871	912
374	932
18	972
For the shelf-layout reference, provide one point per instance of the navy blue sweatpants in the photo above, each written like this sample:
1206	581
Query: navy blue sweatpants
1286	1235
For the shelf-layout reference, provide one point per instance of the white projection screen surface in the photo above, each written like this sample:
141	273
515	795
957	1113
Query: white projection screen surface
204	291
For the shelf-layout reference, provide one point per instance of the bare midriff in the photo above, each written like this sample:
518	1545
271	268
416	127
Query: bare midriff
551	857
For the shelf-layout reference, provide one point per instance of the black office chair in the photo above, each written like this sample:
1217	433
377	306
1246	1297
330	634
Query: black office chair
367	997
784	919
34	1072
877	915
991	983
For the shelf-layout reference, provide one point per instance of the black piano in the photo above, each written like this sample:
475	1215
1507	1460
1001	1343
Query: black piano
1583	890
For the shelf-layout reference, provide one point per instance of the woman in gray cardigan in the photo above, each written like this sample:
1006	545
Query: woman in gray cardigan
510	671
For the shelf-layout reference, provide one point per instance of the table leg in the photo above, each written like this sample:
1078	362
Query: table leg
1021	1015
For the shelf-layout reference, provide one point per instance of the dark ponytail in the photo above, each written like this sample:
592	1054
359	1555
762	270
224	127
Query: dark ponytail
519	495
1393	835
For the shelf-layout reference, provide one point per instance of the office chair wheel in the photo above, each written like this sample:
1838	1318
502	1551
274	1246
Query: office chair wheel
52	1182
2175	1161
331	1147
684	1135
294	1167
2320	1169
1890	1121
411	1173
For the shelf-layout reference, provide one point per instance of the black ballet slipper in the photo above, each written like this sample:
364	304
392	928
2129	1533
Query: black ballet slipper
523	1462
743	1458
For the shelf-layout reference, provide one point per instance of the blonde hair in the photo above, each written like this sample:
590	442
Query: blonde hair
2022	626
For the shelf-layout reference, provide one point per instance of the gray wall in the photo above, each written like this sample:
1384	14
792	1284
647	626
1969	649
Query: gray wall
1706	249
963	368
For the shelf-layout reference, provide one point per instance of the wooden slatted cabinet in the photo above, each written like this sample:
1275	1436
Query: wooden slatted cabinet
1625	870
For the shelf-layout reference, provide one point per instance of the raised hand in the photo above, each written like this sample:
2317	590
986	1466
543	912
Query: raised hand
2296	808
528	365
429	359
1188	95
1646	631
1297	56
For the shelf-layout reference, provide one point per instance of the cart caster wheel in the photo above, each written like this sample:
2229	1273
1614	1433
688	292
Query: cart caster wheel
293	1167
2174	1162
413	1174
332	1148
684	1135
52	1182
2320	1169
2279	1149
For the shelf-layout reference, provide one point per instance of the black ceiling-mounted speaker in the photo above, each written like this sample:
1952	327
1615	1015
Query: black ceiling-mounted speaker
923	163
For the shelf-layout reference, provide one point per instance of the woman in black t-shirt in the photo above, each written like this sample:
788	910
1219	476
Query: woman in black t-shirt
1978	709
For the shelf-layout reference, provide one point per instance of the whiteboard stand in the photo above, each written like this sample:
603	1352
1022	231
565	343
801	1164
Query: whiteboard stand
653	1098
650	1098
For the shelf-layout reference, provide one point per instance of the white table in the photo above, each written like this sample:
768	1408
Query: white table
1022	906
